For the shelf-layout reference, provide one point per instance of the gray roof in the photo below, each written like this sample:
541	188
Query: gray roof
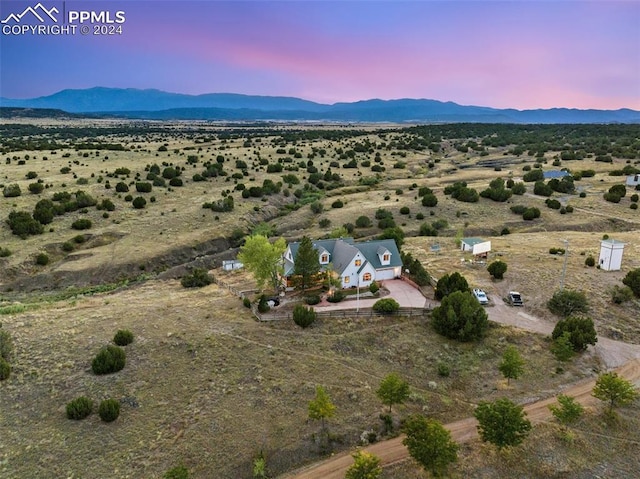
343	250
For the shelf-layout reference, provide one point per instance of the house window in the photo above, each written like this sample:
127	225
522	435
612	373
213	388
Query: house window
324	258
346	279
386	257
366	277
358	262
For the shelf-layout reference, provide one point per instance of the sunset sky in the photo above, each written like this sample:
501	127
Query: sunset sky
515	54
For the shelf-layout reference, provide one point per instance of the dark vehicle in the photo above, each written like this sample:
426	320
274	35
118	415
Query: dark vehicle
515	299
273	302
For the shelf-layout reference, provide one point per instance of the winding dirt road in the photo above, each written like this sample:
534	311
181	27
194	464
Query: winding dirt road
623	357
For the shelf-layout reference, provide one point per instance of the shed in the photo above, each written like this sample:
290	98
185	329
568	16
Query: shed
231	264
633	180
476	246
611	255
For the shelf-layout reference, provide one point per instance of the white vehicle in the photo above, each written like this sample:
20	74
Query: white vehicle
481	296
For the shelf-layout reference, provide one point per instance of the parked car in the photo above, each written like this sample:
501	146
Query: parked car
515	298
273	302
481	296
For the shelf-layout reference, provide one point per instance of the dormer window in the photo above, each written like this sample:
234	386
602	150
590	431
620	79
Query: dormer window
386	257
324	259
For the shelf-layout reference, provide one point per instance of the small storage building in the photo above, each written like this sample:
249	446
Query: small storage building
611	255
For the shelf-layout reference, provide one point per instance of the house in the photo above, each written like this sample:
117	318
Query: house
476	246
633	180
611	255
356	264
547	175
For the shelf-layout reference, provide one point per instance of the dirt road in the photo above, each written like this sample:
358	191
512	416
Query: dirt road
625	358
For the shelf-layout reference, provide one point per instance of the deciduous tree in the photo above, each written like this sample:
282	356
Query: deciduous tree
321	408
393	390
614	389
263	259
502	423
512	364
567	411
430	444
365	466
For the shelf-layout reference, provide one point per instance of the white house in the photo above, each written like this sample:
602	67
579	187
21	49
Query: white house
357	264
633	180
611	255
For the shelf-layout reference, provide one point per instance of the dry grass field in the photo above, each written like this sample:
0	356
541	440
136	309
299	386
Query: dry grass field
208	386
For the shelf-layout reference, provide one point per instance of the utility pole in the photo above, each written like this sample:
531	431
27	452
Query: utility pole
564	267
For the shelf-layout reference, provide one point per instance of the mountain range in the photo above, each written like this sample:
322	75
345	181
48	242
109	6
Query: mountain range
161	105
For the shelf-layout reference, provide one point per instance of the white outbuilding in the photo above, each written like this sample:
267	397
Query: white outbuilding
611	255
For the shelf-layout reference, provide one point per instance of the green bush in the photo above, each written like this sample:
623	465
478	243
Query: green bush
451	283
11	191
4	252
42	259
497	269
122	187
109	410
336	297
444	370
590	261
22	224
5	369
632	280
81	224
374	287
263	305
139	203
199	278
621	294
177	472
581	331
568	302
68	246
337	204
79	408
6	345
363	222
176	181
123	337
303	316
246	302
109	360
460	317
143	187
531	214
312	299
386	306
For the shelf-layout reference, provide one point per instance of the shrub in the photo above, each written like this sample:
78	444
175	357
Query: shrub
5	369
6	345
590	261
324	222
79	408
374	288
139	203
22	224
429	200
176	181
42	259
11	191
143	187
303	316
246	302
336	297
312	299
581	332
386	306
337	204
122	187
621	294
567	302
497	269
36	188
531	214
444	370
363	222
109	410
197	279
109	360
4	252
405	210
633	206
632	280
263	306
177	472
81	224
68	246
123	337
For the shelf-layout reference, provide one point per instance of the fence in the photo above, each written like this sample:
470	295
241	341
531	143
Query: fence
232	290
344	313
